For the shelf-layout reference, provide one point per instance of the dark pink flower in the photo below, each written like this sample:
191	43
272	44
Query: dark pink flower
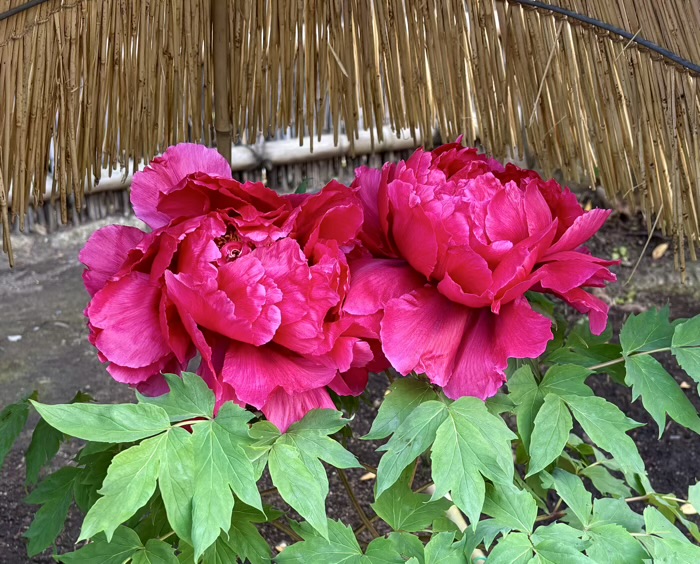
252	281
456	240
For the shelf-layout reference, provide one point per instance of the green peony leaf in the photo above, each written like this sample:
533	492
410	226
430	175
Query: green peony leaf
55	494
124	544
320	421
560	532
566	379
408	546
155	552
694	496
552	426
553	551
405	510
571	489
44	445
656	524
617	512
606	425
411	439
382	551
443	550
247	541
470	444
528	399
515	548
341	546
176	481
685	346
612	543
220	465
130	483
647	331
605	482
121	423
511	507
404	395
660	393
671	551
189	398
13	418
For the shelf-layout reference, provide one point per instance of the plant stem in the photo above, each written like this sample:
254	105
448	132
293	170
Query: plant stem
356	504
551	516
363	526
622	358
268	491
286	530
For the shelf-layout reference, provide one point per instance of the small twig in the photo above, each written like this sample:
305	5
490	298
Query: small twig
286	530
363	527
356	504
550	516
544	74
644	249
622	358
268	491
165	536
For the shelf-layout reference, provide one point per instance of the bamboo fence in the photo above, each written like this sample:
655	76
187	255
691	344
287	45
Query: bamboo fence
600	90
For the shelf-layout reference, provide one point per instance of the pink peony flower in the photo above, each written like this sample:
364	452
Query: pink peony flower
250	280
455	240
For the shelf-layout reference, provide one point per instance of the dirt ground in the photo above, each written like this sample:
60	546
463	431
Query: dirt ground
42	300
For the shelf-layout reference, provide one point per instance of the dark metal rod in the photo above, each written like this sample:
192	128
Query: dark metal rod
21	8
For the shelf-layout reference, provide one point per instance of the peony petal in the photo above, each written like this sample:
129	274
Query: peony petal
421	331
283	409
584	302
105	253
505	219
350	383
574	271
488	342
164	173
374	282
537	212
583	228
255	372
127	312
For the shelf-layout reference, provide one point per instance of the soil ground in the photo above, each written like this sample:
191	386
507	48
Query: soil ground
42	301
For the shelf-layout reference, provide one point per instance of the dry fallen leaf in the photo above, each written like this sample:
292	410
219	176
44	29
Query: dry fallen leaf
685	385
688	509
281	546
659	251
368	476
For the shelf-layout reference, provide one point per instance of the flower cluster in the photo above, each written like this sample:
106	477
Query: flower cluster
422	265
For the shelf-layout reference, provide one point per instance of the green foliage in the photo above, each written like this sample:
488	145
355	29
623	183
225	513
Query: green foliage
170	482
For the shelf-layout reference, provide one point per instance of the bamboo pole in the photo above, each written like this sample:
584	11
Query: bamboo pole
220	19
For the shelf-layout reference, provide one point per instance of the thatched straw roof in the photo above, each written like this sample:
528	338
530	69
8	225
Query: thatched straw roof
599	89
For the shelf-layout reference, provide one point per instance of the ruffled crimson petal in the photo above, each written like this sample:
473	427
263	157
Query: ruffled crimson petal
376	281
147	378
105	253
127	313
505	219
255	372
350	383
164	173
283	409
571	270
421	331
371	187
584	302
582	229
489	340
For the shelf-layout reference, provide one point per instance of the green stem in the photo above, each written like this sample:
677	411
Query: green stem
622	358
356	504
286	530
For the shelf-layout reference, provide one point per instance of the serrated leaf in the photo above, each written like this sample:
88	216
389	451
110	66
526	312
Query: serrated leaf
246	540
528	399
685	346
571	489
404	396
566	379
155	552
405	510
43	447
176	481
560	532
511	507
606	425
412	438
321	421
382	551
302	482
55	494
221	465
95	465
647	331
552	426
617	512
13	418
488	529
671	551
613	544
107	423
341	547
656	524
660	393
130	482
443	550
605	482
553	551
124	544
469	444
407	545
515	548
189	397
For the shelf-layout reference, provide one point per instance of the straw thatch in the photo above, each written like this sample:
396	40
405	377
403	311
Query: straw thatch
111	81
